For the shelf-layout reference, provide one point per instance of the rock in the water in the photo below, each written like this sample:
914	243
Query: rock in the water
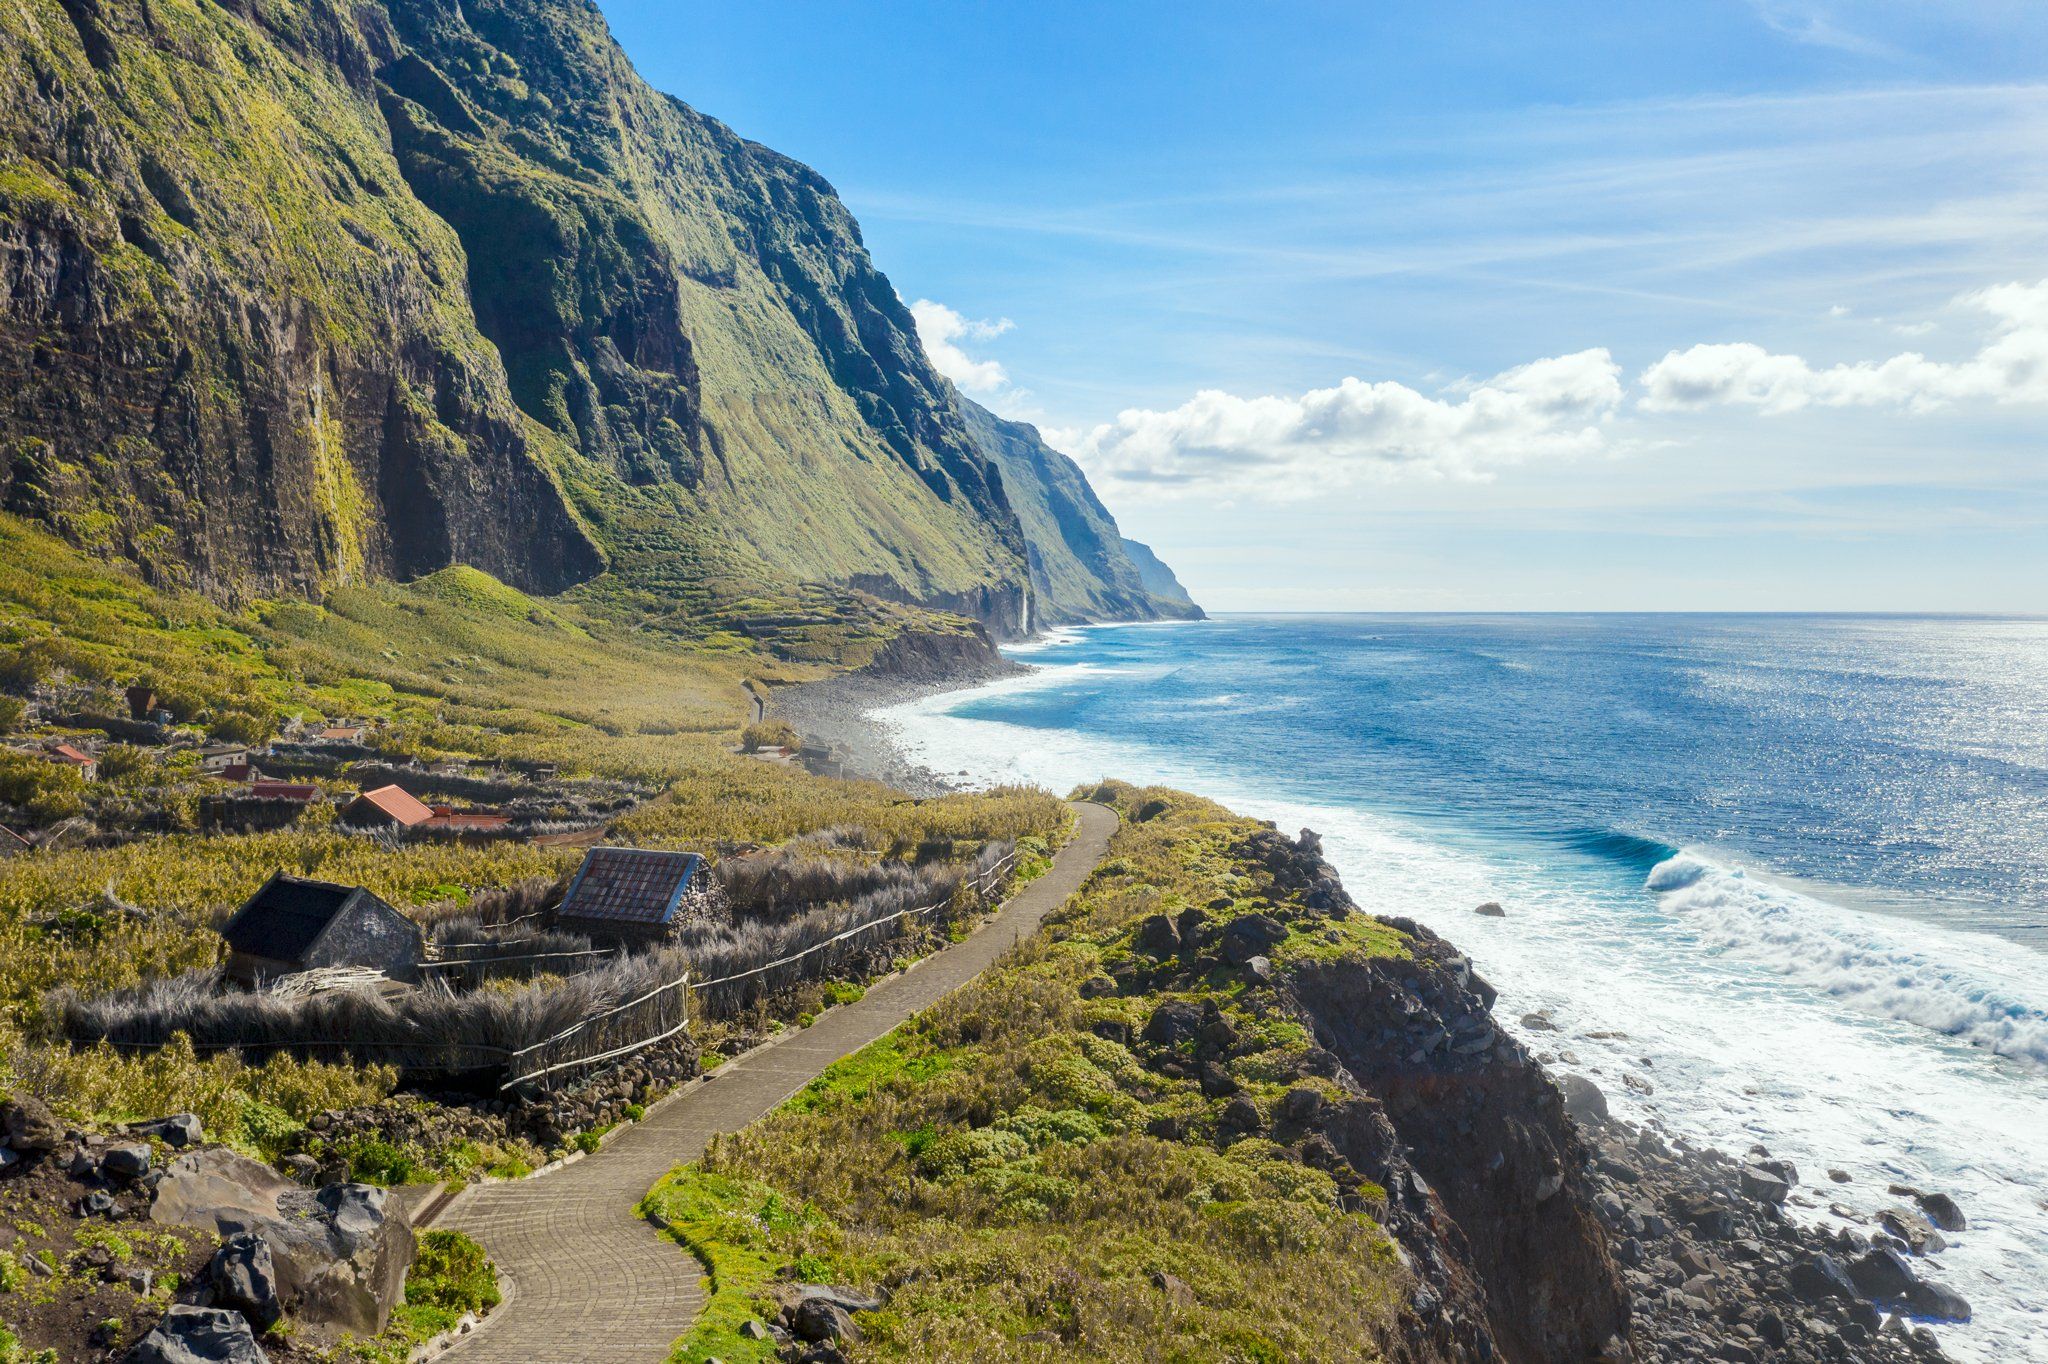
1491	910
1938	1301
1582	1098
1882	1275
178	1130
1538	1023
199	1335
244	1277
1916	1231
340	1254
30	1125
1942	1211
1839	1176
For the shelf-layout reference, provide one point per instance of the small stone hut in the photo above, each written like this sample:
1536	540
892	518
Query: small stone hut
293	924
629	896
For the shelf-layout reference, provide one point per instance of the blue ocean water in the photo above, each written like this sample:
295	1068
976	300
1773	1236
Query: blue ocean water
1798	864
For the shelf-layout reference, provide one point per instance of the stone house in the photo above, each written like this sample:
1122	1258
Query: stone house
629	896
293	924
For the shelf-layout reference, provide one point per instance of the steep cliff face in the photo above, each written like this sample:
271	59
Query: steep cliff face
231	347
1082	568
303	292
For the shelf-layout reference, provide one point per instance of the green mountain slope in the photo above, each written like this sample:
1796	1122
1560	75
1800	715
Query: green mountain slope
297	293
1082	568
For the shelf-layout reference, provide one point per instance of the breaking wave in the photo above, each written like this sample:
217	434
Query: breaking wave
1966	986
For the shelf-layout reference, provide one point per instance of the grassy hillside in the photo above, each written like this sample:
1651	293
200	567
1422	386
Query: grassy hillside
1028	1175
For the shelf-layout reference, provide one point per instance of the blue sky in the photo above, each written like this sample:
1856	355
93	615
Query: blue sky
1726	304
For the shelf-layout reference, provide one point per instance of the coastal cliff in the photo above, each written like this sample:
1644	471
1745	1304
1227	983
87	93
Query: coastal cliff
297	296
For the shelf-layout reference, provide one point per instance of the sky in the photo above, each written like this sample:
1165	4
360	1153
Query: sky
1699	305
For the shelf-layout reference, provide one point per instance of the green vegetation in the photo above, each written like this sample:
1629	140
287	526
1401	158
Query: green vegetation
450	1278
1025	1179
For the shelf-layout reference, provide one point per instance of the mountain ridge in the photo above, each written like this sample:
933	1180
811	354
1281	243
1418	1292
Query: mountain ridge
298	294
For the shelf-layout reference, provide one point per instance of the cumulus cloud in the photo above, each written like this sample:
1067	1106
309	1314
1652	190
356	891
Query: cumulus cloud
942	331
2010	367
1299	447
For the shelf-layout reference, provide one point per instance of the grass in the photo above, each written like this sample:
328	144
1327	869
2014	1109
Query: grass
1023	1178
450	1277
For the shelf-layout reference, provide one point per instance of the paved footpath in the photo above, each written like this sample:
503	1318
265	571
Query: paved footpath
591	1280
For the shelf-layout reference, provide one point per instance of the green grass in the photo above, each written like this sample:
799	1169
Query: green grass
1016	1175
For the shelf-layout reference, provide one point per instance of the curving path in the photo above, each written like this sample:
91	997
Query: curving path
591	1280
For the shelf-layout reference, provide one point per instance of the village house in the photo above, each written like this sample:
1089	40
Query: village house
468	821
301	793
630	896
292	924
341	732
75	758
217	758
387	807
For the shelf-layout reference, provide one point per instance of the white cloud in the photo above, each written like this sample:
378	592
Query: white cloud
2011	367
942	330
1290	448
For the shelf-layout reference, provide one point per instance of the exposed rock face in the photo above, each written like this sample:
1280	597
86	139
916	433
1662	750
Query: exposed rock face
417	283
923	656
339	1254
1480	1122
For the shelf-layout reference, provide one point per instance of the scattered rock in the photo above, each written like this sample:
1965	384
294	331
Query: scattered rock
244	1277
179	1130
1538	1023
1910	1227
199	1335
1763	1185
1174	1022
340	1253
1175	1289
1242	1115
1942	1211
1882	1275
1159	936
125	1161
1300	1105
1251	936
30	1126
1582	1098
1821	1278
1491	910
1937	1301
1839	1176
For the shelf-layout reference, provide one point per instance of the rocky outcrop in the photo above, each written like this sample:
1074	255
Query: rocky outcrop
334	1258
199	1335
1486	1132
924	656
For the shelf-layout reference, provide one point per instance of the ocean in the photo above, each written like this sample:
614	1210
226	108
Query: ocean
1789	872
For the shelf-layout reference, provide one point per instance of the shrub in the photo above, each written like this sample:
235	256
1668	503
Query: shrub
768	734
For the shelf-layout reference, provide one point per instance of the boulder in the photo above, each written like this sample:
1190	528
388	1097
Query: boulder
179	1130
1300	1105
1882	1275
1942	1211
129	1160
1582	1098
1765	1186
30	1125
244	1277
199	1335
1491	910
1253	935
1242	1115
1916	1231
1937	1301
816	1319
1820	1278
1159	936
1174	1022
340	1254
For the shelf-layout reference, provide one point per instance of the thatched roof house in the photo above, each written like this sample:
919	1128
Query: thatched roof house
293	924
628	895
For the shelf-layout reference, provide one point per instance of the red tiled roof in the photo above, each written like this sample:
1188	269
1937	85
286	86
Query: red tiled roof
66	753
236	772
282	790
400	804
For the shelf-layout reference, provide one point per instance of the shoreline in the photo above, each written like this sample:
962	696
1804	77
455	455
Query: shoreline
1715	1263
834	712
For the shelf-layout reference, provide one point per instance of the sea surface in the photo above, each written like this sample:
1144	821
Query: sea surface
1800	861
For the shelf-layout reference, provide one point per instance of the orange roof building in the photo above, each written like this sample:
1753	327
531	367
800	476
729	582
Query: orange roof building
390	807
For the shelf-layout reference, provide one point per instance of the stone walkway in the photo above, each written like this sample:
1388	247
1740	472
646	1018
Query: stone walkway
591	1280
